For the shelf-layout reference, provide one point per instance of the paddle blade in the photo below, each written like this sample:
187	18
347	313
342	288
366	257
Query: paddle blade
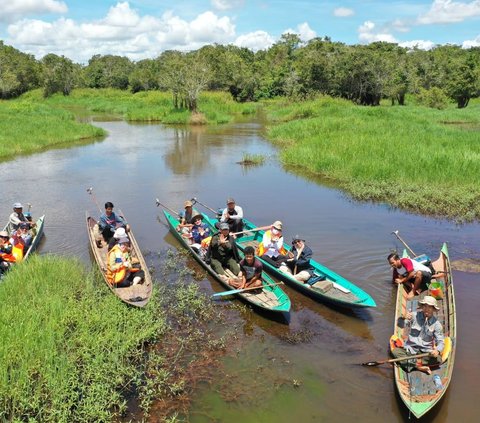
372	363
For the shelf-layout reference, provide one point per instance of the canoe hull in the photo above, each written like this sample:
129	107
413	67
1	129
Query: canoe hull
138	295
417	389
342	293
281	304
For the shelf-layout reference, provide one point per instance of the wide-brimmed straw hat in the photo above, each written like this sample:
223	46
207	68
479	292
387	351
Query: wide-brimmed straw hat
431	301
4	234
277	225
188	203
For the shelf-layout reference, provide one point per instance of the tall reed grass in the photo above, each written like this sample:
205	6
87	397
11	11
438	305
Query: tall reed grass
69	349
412	157
27	127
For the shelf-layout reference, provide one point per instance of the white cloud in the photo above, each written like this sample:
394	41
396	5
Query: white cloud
303	30
121	32
420	44
226	4
367	33
258	40
471	43
15	9
343	12
448	11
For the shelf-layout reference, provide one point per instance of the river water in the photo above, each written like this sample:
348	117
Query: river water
306	370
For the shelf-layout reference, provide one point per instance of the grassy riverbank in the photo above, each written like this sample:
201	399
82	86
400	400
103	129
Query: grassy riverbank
29	126
419	159
147	106
32	123
71	351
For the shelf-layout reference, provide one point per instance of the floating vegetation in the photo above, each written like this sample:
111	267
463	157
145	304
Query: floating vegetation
252	159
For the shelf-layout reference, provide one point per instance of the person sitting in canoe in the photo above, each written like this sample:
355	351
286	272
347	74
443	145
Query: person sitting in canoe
426	335
21	240
222	253
18	217
7	252
298	262
118	234
108	223
271	248
199	232
122	270
414	275
251	269
186	216
233	215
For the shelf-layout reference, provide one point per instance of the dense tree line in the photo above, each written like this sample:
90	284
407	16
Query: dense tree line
364	74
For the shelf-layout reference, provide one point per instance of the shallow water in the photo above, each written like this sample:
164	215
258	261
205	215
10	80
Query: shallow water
307	370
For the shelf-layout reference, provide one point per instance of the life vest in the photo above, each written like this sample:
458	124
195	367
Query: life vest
206	242
6	253
261	248
18	248
116	271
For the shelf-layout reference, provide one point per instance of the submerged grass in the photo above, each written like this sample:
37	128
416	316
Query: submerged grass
412	157
71	351
252	159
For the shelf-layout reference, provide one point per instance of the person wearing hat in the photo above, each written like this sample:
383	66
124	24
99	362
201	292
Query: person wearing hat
271	248
21	240
118	234
426	335
233	215
185	225
298	262
200	230
222	252
412	274
122	271
18	217
7	257
108	223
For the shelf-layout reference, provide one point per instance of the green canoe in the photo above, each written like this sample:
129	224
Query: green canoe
331	287
416	389
271	298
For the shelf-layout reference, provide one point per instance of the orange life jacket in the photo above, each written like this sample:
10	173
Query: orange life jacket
261	248
8	257
116	270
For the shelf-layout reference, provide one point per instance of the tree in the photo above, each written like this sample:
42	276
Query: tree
144	76
19	72
108	72
59	75
186	75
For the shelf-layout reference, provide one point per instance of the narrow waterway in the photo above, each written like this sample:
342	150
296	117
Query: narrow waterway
304	371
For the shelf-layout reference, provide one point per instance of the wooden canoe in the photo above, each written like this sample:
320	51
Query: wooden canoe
36	239
417	389
341	292
271	298
137	295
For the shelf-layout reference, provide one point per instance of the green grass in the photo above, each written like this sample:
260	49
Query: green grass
31	123
27	127
252	159
71	351
412	157
147	106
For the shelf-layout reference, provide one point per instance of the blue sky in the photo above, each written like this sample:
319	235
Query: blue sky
144	28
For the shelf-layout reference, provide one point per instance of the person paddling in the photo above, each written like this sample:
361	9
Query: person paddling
426	335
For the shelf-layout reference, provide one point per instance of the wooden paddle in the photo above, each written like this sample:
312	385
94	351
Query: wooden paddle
237	291
393	360
260	228
403	242
194	200
157	202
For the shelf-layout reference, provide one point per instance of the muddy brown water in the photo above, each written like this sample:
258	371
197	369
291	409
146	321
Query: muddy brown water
306	370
